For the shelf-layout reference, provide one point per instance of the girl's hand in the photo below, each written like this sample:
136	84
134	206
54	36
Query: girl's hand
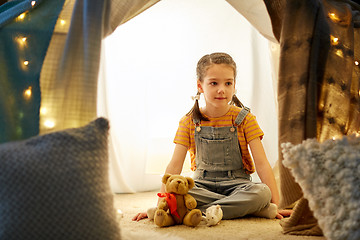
140	216
283	213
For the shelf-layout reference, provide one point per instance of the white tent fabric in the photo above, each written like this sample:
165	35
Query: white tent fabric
148	76
255	12
165	41
69	74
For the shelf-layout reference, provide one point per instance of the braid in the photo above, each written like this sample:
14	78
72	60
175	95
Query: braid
195	111
236	101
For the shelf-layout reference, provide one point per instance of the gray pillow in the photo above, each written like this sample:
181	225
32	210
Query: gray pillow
329	175
56	186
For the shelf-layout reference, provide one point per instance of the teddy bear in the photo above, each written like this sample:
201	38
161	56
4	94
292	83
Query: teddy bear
176	205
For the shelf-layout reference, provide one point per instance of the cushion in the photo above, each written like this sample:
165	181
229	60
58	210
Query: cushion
56	186
329	175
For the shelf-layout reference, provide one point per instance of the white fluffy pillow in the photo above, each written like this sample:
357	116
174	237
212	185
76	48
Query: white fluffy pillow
329	175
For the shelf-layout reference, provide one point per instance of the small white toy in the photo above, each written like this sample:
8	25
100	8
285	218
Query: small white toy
214	215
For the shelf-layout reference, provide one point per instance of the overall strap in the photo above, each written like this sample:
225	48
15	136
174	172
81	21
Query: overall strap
196	121
241	116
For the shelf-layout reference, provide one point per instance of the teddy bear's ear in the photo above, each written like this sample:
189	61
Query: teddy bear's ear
190	182
166	177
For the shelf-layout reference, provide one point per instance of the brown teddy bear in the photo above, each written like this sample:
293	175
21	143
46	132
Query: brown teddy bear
176	205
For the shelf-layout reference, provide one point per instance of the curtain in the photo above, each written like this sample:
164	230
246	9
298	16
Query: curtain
25	31
69	76
318	97
50	61
318	92
149	76
67	69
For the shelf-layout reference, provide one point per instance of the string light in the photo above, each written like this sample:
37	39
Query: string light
19	131
21	41
33	3
26	63
62	22
336	137
49	124
28	93
43	110
333	17
21	16
356	63
339	53
334	40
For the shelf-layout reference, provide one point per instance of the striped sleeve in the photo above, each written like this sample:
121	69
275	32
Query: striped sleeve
183	132
251	128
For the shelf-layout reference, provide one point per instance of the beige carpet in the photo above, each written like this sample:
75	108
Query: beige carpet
246	228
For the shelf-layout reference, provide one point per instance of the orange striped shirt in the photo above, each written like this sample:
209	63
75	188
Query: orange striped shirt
248	130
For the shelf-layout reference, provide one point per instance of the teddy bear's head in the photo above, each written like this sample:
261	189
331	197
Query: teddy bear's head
177	184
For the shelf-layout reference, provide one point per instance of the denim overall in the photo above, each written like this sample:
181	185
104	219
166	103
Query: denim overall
220	177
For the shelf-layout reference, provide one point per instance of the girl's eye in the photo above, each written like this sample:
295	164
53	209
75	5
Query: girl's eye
229	83
213	83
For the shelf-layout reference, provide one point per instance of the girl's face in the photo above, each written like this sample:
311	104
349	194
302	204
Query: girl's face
218	87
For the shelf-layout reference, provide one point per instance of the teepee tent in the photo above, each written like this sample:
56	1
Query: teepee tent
156	54
50	54
79	35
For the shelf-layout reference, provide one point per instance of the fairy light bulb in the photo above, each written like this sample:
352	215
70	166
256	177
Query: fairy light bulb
22	41
19	131
33	3
28	93
26	63
62	22
339	53
43	110
356	63
49	124
334	17
21	16
334	40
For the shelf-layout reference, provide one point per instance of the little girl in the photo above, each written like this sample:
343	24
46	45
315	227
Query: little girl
217	137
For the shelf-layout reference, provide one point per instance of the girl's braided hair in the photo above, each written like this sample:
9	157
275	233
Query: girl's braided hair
202	66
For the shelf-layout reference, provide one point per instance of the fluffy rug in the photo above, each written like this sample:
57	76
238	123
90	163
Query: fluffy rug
239	229
329	175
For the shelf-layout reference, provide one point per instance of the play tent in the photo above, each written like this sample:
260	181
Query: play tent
50	57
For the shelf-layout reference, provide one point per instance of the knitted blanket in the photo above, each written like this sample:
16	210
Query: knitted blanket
329	175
